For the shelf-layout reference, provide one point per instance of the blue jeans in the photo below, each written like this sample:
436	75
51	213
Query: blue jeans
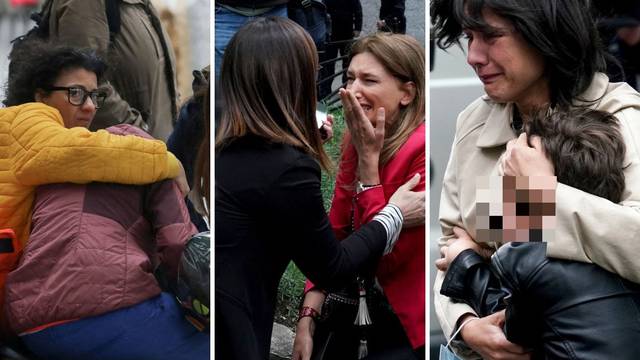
447	354
227	23
153	329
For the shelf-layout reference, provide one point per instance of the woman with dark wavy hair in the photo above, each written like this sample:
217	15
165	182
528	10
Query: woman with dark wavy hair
85	277
532	55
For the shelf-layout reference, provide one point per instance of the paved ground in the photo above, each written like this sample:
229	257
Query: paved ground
414	12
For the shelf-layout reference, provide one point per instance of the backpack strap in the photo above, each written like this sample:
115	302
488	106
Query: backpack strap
112	8
168	69
41	29
42	18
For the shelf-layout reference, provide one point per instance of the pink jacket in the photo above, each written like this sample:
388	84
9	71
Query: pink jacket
93	249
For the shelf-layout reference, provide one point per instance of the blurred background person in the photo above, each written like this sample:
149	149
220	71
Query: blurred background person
346	24
231	15
184	26
619	25
142	84
391	17
189	142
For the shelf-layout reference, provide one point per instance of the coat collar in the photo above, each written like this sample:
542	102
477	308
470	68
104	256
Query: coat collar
497	129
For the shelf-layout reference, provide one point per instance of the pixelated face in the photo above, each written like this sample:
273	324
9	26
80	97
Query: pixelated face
513	208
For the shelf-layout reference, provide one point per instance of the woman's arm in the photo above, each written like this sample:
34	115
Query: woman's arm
172	226
303	343
447	311
485	335
46	152
412	155
294	204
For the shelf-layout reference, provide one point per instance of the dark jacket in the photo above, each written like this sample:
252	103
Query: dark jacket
142	80
268	212
257	4
346	17
561	309
392	12
184	143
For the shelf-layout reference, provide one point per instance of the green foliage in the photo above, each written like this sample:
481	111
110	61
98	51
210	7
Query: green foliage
292	282
289	296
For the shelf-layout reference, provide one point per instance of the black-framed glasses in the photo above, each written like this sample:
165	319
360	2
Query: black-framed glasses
78	95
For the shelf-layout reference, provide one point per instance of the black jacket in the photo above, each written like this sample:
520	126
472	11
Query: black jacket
561	309
346	17
268	212
254	4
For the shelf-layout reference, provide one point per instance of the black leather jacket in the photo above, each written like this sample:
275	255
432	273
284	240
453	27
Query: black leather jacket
560	309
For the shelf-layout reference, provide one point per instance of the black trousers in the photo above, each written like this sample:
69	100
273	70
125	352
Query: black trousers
386	339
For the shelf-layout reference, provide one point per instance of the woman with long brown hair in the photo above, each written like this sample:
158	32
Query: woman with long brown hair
268	203
385	71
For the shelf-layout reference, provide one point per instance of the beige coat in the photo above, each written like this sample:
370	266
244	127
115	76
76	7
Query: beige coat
140	90
588	229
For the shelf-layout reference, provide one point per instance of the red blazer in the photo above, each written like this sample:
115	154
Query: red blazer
402	272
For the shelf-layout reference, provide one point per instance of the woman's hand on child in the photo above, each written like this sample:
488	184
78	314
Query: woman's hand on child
454	246
486	337
520	159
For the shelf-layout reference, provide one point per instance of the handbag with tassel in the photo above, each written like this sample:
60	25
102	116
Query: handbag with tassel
346	316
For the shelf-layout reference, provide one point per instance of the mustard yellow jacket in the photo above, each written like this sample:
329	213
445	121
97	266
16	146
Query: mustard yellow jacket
36	149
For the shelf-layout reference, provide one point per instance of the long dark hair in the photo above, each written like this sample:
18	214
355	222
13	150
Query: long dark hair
267	82
37	65
562	31
199	194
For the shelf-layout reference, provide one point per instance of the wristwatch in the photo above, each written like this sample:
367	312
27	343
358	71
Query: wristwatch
360	187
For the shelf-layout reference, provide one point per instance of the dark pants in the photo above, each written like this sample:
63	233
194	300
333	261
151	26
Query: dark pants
386	339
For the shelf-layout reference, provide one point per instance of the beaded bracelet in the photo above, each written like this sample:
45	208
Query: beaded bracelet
308	311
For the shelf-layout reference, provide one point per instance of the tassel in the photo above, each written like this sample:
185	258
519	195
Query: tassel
362	318
362	349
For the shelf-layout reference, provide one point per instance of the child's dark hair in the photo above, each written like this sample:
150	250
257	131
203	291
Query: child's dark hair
586	149
36	64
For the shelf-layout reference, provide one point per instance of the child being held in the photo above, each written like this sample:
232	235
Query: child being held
559	309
